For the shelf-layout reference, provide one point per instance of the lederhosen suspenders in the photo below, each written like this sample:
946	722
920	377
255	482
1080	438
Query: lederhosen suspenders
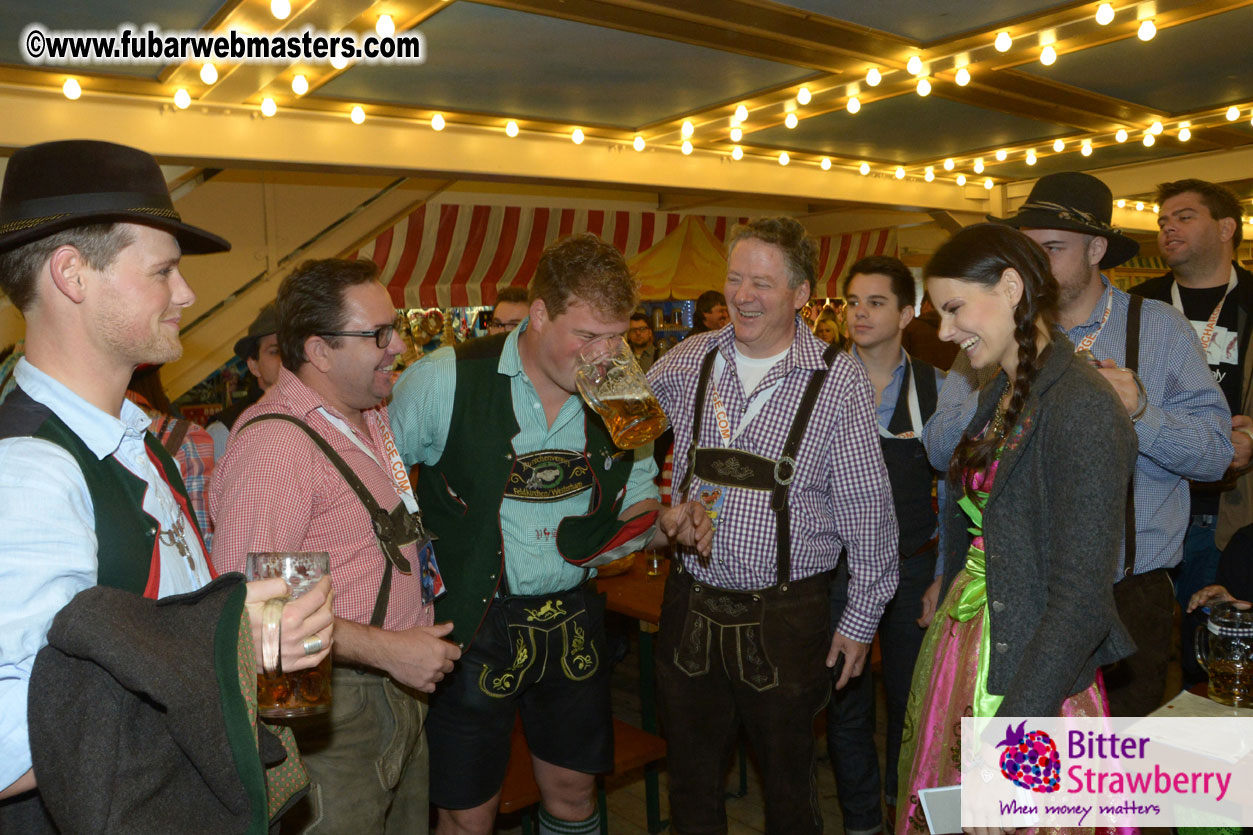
1132	362
736	468
392	529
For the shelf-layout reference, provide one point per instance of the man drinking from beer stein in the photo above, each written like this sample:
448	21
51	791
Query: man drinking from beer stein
776	433
527	492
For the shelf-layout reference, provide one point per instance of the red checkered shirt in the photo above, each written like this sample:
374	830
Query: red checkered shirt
274	490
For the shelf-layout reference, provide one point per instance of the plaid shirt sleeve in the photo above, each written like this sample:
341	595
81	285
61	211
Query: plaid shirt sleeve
864	513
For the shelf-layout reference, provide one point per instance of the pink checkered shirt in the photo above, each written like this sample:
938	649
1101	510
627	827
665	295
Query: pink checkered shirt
274	490
840	496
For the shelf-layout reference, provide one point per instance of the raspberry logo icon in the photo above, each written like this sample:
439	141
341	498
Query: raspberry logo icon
1030	759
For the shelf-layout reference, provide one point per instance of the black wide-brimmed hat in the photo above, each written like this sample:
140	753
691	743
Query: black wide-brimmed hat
265	324
76	182
1076	202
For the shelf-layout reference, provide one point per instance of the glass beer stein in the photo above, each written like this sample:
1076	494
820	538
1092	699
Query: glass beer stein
1224	649
612	383
304	692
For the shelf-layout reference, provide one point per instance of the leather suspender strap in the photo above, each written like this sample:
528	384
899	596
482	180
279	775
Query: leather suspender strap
1133	363
378	516
698	414
175	439
785	467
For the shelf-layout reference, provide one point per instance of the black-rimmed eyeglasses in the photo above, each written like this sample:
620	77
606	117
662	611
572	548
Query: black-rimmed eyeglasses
382	335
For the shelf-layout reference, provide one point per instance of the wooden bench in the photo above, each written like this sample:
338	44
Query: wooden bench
632	748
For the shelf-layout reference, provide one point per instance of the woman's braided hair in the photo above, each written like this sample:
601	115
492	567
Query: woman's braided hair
981	254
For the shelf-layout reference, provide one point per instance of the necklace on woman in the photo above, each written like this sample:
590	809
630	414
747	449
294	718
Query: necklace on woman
997	427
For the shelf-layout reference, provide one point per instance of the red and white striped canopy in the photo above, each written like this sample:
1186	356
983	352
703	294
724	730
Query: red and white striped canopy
457	255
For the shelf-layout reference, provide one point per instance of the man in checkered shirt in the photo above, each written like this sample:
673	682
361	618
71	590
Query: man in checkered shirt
777	437
276	490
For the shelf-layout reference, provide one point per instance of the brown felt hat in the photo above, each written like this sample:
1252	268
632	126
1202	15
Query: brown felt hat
55	186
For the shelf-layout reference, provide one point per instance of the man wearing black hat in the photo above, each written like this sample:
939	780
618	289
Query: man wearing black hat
90	246
1152	358
259	349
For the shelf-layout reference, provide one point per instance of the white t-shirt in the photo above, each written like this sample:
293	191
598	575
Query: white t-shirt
752	371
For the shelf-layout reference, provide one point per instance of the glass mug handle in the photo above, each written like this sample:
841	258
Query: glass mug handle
1201	639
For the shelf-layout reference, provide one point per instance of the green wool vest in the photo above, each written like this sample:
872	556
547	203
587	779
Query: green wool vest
461	493
125	534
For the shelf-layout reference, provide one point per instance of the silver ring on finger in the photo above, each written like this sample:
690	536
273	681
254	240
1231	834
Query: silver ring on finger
313	645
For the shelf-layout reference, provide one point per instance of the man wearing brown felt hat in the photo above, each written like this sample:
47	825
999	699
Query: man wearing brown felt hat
1152	358
90	249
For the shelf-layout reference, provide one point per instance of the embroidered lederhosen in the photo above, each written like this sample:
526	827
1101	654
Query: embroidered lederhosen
545	629
742	612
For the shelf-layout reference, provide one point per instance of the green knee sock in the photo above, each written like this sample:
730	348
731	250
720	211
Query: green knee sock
549	825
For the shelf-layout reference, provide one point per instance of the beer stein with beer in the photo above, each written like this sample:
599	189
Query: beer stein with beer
612	383
305	692
1225	650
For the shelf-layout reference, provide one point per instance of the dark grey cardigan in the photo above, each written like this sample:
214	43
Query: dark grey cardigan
1053	526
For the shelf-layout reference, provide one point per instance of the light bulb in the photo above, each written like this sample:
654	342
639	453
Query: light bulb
1121	136
924	87
386	27
736	134
900	173
1149	139
182	99
687	130
791	121
511	128
437	122
741	114
686	147
1001	155
826	164
1139	206
854	104
1086	149
1120	203
914	65
1059	145
1155	208
979	165
1105	14
963	77
1185	134
280	9
961	179
576	136
929	174
803	96
784	159
1156	128
1146	31
1031	157
268	107
300	85
949	164
1003	42
873	76
1048	56
338	61
358	115
72	89
737	153
864	168
1233	113
209	73
638	143
988	183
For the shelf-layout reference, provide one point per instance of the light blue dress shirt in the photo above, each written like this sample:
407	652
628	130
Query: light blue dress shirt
421	414
1185	433
48	553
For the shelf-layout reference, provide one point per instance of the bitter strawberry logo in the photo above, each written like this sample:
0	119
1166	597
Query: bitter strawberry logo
1030	759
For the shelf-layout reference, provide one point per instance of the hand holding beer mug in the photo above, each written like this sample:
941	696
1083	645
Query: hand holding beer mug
612	383
292	637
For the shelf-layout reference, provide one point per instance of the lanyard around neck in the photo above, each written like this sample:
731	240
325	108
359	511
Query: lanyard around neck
755	404
1211	327
1087	342
399	475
